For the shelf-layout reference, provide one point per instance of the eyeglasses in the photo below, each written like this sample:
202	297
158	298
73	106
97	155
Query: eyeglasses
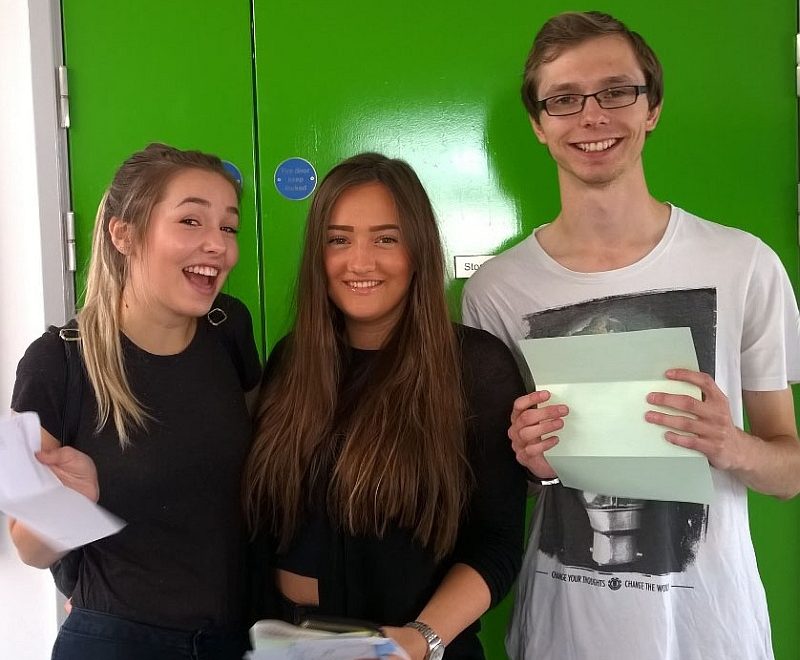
608	99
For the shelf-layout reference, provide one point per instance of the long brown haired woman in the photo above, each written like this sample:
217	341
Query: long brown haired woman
381	470
162	417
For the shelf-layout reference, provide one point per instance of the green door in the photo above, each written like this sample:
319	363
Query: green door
437	84
177	72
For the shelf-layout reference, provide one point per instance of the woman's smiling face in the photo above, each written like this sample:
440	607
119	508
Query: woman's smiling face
189	248
367	263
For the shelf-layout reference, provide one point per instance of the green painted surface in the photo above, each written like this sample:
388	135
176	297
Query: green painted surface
154	71
437	84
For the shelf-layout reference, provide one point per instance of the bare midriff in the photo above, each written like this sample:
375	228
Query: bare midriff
299	589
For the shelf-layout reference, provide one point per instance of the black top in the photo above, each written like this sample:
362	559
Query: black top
389	580
178	562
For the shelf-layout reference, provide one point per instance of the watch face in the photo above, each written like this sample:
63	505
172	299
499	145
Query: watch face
437	653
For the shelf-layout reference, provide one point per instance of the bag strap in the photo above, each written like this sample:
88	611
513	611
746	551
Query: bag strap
70	336
217	322
67	569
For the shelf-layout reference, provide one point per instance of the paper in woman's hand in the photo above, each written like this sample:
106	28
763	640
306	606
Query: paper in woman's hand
32	494
277	640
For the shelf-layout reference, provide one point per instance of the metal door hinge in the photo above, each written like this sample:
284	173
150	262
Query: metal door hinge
69	237
63	96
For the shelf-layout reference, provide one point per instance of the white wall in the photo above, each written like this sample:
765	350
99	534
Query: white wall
28	202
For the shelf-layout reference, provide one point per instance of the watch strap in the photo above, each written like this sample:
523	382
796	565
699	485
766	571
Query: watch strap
434	641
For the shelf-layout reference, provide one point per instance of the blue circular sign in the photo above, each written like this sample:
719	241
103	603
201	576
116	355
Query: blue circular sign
234	171
295	178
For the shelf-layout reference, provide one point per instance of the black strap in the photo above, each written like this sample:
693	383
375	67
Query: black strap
217	322
67	569
73	383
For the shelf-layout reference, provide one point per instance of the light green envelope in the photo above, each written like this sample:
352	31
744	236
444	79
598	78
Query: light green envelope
606	446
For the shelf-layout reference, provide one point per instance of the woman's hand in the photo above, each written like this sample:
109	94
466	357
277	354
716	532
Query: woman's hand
73	468
410	639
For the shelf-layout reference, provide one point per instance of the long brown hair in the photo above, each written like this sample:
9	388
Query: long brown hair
402	458
138	185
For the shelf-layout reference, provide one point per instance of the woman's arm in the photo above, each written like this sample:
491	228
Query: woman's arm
488	552
462	597
491	538
75	470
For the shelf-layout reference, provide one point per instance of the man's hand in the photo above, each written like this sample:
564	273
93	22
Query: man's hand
712	431
73	468
528	424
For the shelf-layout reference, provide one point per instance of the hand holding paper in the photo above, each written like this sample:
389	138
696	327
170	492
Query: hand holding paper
606	445
709	429
30	492
73	468
529	424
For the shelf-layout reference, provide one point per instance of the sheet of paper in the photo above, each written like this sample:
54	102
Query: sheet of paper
277	640
333	648
30	492
606	446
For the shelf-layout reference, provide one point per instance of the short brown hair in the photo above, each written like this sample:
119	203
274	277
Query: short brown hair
572	28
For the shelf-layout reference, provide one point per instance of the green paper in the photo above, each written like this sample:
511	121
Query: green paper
606	446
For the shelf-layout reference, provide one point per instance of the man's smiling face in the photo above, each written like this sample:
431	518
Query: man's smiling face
596	146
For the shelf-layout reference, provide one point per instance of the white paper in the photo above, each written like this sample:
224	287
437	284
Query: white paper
331	648
32	494
278	640
605	445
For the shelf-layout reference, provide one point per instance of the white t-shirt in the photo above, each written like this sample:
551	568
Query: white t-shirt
613	578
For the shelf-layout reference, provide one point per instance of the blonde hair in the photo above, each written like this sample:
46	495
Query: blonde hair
138	185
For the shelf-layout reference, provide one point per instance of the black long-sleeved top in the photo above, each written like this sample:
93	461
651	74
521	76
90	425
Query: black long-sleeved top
389	580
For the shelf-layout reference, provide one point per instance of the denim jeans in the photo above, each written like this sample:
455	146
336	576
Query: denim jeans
89	635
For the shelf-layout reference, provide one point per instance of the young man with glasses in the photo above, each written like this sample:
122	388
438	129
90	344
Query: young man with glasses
609	577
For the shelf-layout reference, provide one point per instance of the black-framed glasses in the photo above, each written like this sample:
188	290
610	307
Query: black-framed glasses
608	99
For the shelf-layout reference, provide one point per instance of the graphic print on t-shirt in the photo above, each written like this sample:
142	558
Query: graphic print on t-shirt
591	531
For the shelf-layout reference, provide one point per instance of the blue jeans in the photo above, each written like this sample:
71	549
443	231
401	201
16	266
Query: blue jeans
89	635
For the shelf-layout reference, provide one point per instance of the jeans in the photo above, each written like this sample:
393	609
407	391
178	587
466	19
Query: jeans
89	635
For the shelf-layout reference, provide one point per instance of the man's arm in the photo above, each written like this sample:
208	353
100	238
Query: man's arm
766	460
774	464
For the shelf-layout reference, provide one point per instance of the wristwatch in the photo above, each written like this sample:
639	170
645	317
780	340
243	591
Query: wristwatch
435	644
